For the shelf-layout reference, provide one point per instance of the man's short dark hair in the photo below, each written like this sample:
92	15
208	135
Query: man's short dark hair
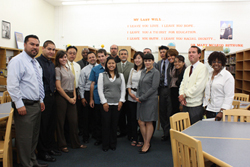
102	51
91	53
46	43
30	36
198	49
123	50
163	47
71	47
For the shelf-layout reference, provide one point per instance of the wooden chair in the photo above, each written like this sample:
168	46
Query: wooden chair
6	97
236	104
239	115
180	121
6	145
241	97
186	150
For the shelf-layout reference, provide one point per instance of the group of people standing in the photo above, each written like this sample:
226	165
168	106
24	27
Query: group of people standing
86	98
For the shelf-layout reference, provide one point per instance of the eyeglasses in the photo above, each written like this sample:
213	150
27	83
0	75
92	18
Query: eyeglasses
72	53
113	48
218	62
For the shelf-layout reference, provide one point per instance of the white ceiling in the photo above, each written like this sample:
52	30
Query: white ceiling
81	2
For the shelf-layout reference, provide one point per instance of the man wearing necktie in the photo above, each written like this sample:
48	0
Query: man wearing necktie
165	108
124	67
25	86
193	85
76	70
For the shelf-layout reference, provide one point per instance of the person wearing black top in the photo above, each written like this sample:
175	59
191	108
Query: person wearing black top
114	53
46	143
83	62
177	76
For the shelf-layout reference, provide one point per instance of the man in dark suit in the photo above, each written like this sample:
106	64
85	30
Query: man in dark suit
84	61
165	109
124	67
228	33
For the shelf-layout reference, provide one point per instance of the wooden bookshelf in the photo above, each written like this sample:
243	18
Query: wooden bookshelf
5	54
242	72
131	52
205	52
230	63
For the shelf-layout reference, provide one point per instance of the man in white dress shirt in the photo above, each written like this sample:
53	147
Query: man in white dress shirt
84	91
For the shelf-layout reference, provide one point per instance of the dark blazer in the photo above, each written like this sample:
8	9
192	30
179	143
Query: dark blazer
82	63
228	31
158	66
126	71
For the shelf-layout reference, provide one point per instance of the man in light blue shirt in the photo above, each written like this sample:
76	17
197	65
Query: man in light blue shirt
25	86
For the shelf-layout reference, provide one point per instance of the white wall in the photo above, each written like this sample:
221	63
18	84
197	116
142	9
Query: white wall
27	17
107	24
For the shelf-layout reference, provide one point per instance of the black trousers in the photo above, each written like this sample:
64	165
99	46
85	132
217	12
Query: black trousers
165	109
132	121
195	113
46	141
122	124
97	130
109	127
79	107
174	92
87	120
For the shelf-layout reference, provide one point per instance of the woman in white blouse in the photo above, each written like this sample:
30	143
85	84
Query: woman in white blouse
219	92
132	85
111	90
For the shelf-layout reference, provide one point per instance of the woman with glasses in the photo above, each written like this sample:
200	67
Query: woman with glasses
219	92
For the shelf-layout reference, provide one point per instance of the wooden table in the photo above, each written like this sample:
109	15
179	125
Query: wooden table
227	141
4	110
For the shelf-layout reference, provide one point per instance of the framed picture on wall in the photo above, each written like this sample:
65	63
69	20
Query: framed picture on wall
5	29
19	40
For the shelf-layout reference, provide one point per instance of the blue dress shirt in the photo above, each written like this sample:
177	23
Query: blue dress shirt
22	81
94	75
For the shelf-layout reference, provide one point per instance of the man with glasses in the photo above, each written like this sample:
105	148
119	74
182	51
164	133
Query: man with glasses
114	51
84	61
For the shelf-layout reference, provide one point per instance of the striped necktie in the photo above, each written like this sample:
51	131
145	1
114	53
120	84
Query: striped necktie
39	79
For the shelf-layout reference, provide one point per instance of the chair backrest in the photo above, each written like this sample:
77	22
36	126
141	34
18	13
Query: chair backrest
186	150
7	147
241	97
236	104
180	121
6	97
236	115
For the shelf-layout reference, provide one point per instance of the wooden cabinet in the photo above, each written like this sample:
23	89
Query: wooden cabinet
5	55
131	52
242	72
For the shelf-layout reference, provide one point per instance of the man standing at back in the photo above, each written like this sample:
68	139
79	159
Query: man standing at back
46	142
114	51
193	85
83	62
25	86
94	96
124	67
165	108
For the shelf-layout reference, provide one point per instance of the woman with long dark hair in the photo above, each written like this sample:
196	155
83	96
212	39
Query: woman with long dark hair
111	90
65	100
132	85
176	78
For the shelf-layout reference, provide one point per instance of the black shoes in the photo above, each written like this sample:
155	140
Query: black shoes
47	158
113	149
55	153
144	152
164	138
85	140
97	143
